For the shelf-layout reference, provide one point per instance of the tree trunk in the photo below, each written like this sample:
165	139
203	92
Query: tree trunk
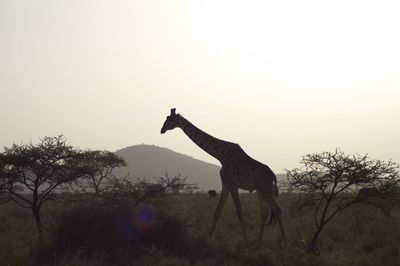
36	214
313	243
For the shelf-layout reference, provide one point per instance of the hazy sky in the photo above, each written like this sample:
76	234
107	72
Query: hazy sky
281	78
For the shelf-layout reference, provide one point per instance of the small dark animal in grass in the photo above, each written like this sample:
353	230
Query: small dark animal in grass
155	190
212	193
369	192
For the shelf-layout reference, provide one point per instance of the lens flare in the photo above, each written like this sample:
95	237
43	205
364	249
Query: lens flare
143	217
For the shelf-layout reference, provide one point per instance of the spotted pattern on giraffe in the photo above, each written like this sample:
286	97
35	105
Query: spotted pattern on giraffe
239	171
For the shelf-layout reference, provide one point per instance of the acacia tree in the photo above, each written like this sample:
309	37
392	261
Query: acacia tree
31	173
102	180
329	182
104	162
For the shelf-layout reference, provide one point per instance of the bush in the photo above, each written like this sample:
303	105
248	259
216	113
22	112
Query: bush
88	231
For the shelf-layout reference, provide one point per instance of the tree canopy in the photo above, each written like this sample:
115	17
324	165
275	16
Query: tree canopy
329	182
30	173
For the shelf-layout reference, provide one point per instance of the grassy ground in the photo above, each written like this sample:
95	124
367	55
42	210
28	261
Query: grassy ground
91	233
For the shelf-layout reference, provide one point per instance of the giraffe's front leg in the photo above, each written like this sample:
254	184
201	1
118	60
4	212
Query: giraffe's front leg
221	203
236	200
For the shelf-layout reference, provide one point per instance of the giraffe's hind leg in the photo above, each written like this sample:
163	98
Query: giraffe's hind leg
264	214
275	209
221	203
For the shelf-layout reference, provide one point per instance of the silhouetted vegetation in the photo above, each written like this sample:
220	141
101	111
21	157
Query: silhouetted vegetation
30	173
91	233
330	182
101	180
103	219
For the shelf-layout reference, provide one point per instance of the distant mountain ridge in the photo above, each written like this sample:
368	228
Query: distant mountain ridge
150	161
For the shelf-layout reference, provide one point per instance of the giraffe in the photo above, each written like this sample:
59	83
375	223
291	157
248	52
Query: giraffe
238	170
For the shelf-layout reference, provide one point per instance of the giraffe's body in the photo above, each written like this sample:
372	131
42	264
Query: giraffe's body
239	171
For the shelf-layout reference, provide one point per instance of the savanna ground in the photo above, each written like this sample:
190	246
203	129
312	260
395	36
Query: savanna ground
96	233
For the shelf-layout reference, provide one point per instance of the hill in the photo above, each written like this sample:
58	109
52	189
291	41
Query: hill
152	161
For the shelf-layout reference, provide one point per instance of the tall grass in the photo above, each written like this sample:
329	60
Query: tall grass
90	233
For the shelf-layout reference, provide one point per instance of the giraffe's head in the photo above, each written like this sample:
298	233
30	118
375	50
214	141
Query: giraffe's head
171	122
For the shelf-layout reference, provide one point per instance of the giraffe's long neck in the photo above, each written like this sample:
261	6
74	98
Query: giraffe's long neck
213	146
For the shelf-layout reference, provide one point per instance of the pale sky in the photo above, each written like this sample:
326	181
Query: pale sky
281	78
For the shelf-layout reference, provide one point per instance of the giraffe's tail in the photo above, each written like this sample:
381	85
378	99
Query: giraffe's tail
272	218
